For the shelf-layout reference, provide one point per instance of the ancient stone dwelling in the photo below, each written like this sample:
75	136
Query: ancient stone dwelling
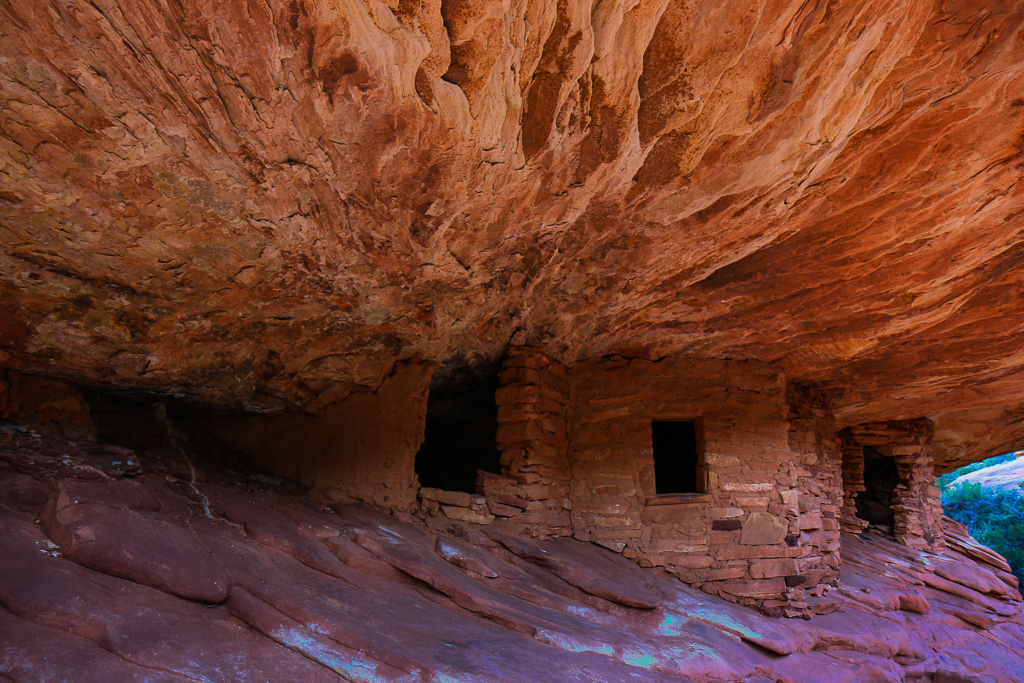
719	471
404	297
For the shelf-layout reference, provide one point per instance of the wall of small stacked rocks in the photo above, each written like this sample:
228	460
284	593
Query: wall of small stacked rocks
816	475
764	530
853	486
916	502
577	458
530	495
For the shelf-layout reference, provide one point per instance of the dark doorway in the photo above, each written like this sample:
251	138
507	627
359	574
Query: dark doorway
676	457
462	422
881	477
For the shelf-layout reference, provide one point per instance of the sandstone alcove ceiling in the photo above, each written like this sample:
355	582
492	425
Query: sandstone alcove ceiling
268	205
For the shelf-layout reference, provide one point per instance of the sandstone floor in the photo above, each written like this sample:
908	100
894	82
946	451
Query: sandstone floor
120	569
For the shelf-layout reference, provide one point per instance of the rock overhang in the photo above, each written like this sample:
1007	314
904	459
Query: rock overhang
268	209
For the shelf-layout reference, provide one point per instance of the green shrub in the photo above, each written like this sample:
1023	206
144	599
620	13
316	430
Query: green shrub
994	517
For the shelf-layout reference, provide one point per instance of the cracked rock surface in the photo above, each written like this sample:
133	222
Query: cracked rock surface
266	205
110	574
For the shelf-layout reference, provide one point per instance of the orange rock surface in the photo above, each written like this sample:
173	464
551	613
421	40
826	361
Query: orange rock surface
267	205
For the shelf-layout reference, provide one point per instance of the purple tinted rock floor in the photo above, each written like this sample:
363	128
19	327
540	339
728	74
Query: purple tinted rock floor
116	568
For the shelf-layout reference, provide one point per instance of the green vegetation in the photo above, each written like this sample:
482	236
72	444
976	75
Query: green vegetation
994	517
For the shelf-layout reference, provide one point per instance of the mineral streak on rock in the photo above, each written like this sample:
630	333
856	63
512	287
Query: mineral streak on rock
267	205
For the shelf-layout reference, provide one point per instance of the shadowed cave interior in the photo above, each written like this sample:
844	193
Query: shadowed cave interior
461	424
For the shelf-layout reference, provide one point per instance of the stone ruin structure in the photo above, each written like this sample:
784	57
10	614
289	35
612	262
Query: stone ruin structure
903	448
721	472
707	285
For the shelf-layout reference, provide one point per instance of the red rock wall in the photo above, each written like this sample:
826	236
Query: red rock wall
765	528
265	204
49	406
532	440
916	502
361	448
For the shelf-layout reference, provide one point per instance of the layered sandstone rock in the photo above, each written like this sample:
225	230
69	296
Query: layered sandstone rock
172	571
269	205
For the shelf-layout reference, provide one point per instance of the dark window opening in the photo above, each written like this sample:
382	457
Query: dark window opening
676	457
881	477
462	422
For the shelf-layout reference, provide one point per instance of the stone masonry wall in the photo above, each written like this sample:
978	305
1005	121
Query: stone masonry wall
758	534
577	457
853	485
817	478
916	502
533	491
531	494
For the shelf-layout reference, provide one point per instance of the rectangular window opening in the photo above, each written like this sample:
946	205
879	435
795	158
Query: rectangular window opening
676	457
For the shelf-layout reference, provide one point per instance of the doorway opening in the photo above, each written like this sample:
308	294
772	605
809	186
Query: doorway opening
462	423
881	477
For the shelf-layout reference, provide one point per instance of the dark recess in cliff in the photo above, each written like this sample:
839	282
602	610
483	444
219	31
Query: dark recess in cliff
462	420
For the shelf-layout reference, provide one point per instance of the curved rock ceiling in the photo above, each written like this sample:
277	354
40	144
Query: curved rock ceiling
265	204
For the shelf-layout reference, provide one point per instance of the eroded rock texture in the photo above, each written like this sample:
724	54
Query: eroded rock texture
121	567
268	204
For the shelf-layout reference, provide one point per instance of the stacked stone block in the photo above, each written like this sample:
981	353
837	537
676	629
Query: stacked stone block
458	506
533	490
916	504
763	531
530	495
814	502
853	485
577	457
